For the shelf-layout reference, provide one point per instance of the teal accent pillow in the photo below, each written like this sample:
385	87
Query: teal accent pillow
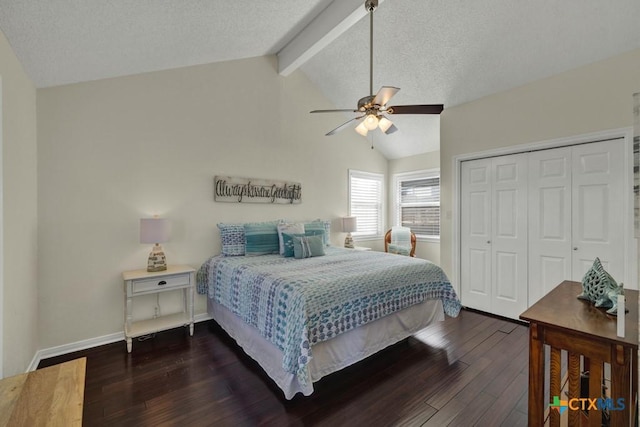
287	240
307	246
317	225
288	228
261	238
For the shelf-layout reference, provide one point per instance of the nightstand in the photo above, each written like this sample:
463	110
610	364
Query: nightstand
142	282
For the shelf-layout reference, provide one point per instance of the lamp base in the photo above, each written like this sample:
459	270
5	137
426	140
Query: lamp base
348	241
157	260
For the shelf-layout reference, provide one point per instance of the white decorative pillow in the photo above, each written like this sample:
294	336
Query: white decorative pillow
289	228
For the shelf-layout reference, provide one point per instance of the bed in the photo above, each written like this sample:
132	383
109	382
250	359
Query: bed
302	319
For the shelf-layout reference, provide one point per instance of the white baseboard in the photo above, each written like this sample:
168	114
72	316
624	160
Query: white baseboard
89	343
75	346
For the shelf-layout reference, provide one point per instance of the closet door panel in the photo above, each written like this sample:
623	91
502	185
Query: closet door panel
550	254
597	207
509	243
506	214
506	275
553	271
479	275
593	220
475	242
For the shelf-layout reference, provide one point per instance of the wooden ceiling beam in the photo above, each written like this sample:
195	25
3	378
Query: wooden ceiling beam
334	20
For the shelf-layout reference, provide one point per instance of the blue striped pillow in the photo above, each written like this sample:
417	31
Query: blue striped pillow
324	225
261	238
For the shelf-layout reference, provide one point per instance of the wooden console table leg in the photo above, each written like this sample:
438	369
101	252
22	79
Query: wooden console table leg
620	384
595	389
555	368
573	371
536	376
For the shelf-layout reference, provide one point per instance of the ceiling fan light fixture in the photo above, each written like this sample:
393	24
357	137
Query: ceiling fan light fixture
384	124
371	121
361	129
373	108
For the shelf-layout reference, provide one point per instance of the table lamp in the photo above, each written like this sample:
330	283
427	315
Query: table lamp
349	225
156	231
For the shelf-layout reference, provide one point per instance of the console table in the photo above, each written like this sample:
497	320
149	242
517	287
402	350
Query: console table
50	396
563	322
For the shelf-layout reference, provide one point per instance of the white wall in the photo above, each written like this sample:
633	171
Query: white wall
588	99
424	249
113	151
19	313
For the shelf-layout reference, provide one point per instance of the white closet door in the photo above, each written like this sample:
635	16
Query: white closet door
475	263
531	220
510	229
550	250
598	207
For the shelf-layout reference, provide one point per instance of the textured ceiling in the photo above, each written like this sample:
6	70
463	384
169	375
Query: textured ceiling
445	51
69	41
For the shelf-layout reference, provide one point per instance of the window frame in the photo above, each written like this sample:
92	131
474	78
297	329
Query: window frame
412	176
379	177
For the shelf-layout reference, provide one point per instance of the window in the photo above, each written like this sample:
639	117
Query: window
365	202
417	202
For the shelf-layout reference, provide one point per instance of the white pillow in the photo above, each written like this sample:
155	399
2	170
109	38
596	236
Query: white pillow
289	228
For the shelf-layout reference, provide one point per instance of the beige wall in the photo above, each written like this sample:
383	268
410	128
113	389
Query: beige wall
588	99
113	151
424	249
19	215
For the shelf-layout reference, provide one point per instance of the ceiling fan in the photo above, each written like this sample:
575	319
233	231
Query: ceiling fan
373	108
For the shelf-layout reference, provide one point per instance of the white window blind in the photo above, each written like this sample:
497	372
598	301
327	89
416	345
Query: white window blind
418	203
365	202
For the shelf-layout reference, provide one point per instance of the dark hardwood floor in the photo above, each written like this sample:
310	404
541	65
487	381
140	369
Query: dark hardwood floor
466	371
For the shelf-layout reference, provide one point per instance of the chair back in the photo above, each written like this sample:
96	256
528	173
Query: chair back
387	242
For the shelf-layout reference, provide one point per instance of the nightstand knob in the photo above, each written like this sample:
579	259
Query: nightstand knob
162	282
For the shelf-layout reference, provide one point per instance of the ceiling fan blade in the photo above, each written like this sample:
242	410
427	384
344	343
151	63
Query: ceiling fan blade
415	109
349	110
342	126
385	94
391	130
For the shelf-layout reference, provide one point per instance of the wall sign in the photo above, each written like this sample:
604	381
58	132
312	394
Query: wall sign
253	190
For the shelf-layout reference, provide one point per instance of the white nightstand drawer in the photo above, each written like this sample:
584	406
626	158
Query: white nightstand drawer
159	283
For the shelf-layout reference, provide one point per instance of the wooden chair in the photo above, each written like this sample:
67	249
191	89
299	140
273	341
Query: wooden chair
387	242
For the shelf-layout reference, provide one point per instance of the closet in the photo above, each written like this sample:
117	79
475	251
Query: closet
531	220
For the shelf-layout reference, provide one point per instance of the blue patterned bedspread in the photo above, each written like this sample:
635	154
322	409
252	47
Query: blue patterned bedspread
295	303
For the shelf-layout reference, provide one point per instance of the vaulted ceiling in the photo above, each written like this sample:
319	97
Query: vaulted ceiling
437	51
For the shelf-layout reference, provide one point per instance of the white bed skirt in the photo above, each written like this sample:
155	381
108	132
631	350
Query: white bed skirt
332	355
